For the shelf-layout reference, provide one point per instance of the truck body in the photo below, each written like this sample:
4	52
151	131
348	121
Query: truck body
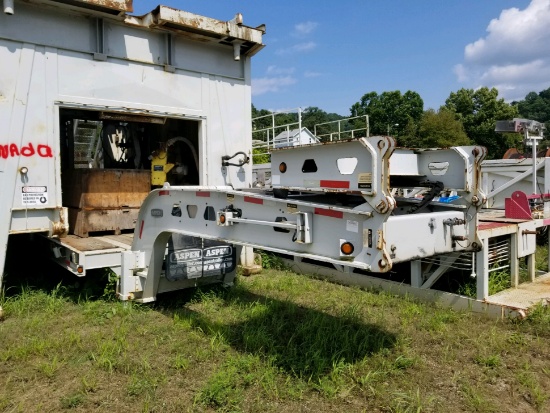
92	99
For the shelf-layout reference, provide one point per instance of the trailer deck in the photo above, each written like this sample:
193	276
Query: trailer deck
78	254
83	254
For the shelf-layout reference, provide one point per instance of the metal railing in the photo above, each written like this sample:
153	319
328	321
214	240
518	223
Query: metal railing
266	129
339	129
263	136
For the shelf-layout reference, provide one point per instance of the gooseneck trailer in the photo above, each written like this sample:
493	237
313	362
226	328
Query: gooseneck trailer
126	143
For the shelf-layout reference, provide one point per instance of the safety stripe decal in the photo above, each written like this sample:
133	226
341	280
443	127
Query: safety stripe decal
203	194
334	184
329	213
252	200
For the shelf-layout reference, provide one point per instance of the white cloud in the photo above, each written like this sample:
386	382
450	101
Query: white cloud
514	56
263	85
461	73
297	48
535	71
304	28
312	74
277	70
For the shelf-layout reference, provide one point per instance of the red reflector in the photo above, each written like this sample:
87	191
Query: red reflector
161	193
329	213
141	229
252	200
203	194
334	184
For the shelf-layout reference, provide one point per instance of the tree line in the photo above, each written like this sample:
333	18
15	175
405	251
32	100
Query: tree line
468	117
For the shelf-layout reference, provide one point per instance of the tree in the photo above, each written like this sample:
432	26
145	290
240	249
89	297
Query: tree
312	116
436	129
536	107
264	121
478	110
390	112
263	118
439	130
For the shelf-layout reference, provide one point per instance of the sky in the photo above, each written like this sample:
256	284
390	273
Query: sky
328	54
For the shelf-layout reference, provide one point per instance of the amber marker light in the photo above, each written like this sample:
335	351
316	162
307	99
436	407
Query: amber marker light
282	167
80	269
222	219
347	248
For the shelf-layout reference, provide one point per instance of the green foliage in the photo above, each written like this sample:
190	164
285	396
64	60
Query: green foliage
412	402
436	129
224	389
270	261
312	116
263	118
478	110
491	361
29	300
536	107
109	292
72	401
260	156
536	394
390	112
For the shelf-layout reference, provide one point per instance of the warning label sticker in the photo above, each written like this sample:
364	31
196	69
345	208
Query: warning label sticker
34	195
365	180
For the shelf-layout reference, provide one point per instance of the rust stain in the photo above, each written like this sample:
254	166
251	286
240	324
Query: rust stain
121	5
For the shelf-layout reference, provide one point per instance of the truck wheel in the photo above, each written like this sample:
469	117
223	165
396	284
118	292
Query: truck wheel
280	193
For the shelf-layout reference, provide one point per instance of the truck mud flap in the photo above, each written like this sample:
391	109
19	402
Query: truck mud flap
194	257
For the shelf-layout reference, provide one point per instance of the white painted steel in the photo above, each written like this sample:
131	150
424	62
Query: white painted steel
415	236
404	162
48	63
500	178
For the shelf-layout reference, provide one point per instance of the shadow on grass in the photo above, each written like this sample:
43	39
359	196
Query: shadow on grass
301	341
28	267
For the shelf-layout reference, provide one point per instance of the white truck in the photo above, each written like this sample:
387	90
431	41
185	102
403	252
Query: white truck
98	106
125	143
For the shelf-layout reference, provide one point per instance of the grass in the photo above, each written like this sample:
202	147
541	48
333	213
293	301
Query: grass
276	342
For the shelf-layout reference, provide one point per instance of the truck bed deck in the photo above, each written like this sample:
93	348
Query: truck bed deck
97	243
78	254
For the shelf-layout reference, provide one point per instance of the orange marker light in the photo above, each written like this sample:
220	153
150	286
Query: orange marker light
222	219
282	167
347	248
